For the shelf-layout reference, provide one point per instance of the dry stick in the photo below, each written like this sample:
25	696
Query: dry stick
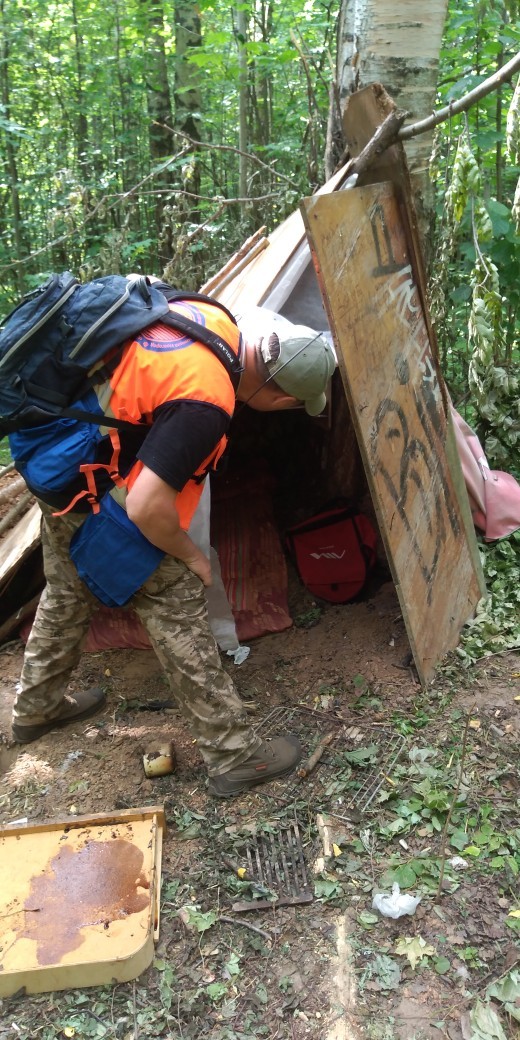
228	148
245	924
499	653
450	810
134	1005
313	760
385	135
235	259
6	469
15	512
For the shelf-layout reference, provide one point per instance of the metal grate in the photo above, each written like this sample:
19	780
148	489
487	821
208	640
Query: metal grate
274	862
389	748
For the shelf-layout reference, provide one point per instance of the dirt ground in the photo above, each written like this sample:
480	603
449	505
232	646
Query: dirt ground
330	968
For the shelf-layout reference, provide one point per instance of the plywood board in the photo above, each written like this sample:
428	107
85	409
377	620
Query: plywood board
363	264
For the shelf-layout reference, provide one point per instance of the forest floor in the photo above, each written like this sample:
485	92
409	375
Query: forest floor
410	780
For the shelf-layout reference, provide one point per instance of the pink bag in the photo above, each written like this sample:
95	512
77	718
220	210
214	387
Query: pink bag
494	496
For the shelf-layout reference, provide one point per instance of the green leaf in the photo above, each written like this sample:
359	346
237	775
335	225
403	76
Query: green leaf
471	850
485	1023
201	921
387	971
361	756
405	876
500	217
507	989
367	919
458	839
442	965
216	990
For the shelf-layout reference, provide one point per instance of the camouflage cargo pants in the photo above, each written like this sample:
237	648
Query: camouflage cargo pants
172	607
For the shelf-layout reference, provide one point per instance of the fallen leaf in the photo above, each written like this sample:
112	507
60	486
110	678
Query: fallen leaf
414	948
336	849
485	1023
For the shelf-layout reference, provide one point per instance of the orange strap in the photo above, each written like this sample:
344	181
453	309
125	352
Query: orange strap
88	471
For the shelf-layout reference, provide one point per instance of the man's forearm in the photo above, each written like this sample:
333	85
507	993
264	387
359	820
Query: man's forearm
151	506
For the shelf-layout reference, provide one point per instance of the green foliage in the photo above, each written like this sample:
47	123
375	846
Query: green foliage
475	286
91	179
496	625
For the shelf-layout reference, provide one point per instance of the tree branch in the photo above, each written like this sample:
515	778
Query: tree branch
462	105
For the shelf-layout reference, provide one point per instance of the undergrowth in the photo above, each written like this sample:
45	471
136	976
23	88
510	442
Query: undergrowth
496	625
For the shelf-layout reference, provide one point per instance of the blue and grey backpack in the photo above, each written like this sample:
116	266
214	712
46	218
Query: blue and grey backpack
54	348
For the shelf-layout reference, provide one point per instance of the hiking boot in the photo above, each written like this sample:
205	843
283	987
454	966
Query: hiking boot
77	706
273	758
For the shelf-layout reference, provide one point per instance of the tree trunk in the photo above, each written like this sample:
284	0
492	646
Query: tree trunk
188	94
10	150
243	141
160	117
397	44
82	150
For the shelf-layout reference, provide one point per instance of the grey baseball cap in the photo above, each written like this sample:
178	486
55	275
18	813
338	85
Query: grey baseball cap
304	366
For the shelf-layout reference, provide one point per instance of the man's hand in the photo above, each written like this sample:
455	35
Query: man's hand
150	504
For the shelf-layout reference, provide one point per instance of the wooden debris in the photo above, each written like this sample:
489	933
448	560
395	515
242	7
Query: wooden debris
16	511
237	262
11	489
313	759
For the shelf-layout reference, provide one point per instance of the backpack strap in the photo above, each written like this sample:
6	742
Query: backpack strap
218	346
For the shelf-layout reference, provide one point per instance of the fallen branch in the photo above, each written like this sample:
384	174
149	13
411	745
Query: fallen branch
385	135
15	512
245	924
444	835
313	760
12	489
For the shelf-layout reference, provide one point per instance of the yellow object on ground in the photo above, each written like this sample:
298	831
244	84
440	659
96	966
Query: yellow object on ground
79	900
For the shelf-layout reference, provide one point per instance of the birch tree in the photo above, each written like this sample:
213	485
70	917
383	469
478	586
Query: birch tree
396	44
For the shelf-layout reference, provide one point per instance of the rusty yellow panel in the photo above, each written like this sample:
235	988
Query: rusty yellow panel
79	900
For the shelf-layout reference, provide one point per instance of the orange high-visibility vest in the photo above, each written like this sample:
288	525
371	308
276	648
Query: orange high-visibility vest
160	366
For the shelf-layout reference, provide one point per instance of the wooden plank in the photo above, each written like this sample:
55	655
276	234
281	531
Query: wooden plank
363	263
15	546
252	285
365	111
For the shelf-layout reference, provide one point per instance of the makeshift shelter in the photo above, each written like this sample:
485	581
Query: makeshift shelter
385	439
366	284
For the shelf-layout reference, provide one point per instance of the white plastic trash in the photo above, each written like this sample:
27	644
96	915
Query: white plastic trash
395	905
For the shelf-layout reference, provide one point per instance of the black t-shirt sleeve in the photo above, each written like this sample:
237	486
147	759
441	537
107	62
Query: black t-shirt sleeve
183	434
